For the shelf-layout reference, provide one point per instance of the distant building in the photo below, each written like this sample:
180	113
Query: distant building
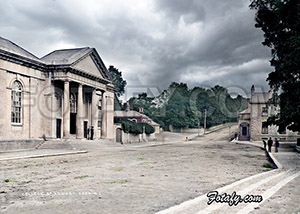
252	121
138	117
67	93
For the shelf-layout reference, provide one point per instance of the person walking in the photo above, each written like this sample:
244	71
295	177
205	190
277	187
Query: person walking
265	145
276	145
270	143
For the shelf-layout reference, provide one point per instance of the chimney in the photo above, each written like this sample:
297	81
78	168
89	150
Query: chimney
252	89
252	92
127	106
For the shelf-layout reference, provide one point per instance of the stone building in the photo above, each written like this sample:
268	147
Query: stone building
252	121
138	117
64	94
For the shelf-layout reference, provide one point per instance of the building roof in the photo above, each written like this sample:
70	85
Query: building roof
58	58
8	46
260	97
128	114
65	56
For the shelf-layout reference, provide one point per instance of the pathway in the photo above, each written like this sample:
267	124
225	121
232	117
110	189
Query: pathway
278	188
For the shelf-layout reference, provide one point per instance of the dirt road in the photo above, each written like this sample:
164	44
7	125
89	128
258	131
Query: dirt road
136	178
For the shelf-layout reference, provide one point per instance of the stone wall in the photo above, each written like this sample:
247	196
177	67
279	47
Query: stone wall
33	83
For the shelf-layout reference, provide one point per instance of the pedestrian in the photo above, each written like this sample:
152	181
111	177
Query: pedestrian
276	145
270	143
265	144
92	133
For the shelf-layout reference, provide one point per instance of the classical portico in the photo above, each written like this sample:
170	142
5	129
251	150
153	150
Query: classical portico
87	105
87	93
66	94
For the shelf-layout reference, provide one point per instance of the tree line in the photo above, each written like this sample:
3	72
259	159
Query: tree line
182	107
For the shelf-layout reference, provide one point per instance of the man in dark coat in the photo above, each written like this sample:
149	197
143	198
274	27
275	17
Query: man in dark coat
92	133
270	143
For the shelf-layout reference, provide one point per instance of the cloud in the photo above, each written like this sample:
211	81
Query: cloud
154	42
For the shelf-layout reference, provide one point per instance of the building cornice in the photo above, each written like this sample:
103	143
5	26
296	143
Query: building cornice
11	57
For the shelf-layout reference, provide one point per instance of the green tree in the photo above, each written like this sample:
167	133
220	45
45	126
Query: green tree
280	22
185	108
117	80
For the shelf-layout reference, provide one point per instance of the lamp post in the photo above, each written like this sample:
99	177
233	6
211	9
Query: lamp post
198	128
229	126
204	125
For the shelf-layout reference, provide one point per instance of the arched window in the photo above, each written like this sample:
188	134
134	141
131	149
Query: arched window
73	103
16	103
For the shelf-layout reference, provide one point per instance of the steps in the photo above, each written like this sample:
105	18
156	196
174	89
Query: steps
56	144
18	145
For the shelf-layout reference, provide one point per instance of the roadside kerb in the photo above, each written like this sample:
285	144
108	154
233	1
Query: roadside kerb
258	144
44	155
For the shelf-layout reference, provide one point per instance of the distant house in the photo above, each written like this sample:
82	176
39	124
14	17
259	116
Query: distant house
138	117
252	121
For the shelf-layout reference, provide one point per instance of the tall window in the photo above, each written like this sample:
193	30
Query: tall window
264	128
73	103
58	102
264	111
16	103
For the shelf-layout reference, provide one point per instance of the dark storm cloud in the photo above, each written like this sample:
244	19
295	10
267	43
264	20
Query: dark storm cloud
152	42
226	37
191	11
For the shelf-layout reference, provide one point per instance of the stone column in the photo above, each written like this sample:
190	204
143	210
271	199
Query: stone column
104	116
110	115
79	116
66	113
95	113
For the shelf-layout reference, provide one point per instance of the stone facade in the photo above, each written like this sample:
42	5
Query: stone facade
64	94
252	121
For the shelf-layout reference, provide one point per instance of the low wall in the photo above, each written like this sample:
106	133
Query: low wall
18	145
131	138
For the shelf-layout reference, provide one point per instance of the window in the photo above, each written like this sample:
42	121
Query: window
58	102
264	128
264	111
72	103
16	103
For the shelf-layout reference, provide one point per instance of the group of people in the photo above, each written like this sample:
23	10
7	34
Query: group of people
270	144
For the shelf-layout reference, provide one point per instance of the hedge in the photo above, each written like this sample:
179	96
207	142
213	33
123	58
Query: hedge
135	128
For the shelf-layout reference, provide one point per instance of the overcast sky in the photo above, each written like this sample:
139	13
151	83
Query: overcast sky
154	42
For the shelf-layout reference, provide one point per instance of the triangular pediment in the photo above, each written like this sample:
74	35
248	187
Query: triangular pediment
88	65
